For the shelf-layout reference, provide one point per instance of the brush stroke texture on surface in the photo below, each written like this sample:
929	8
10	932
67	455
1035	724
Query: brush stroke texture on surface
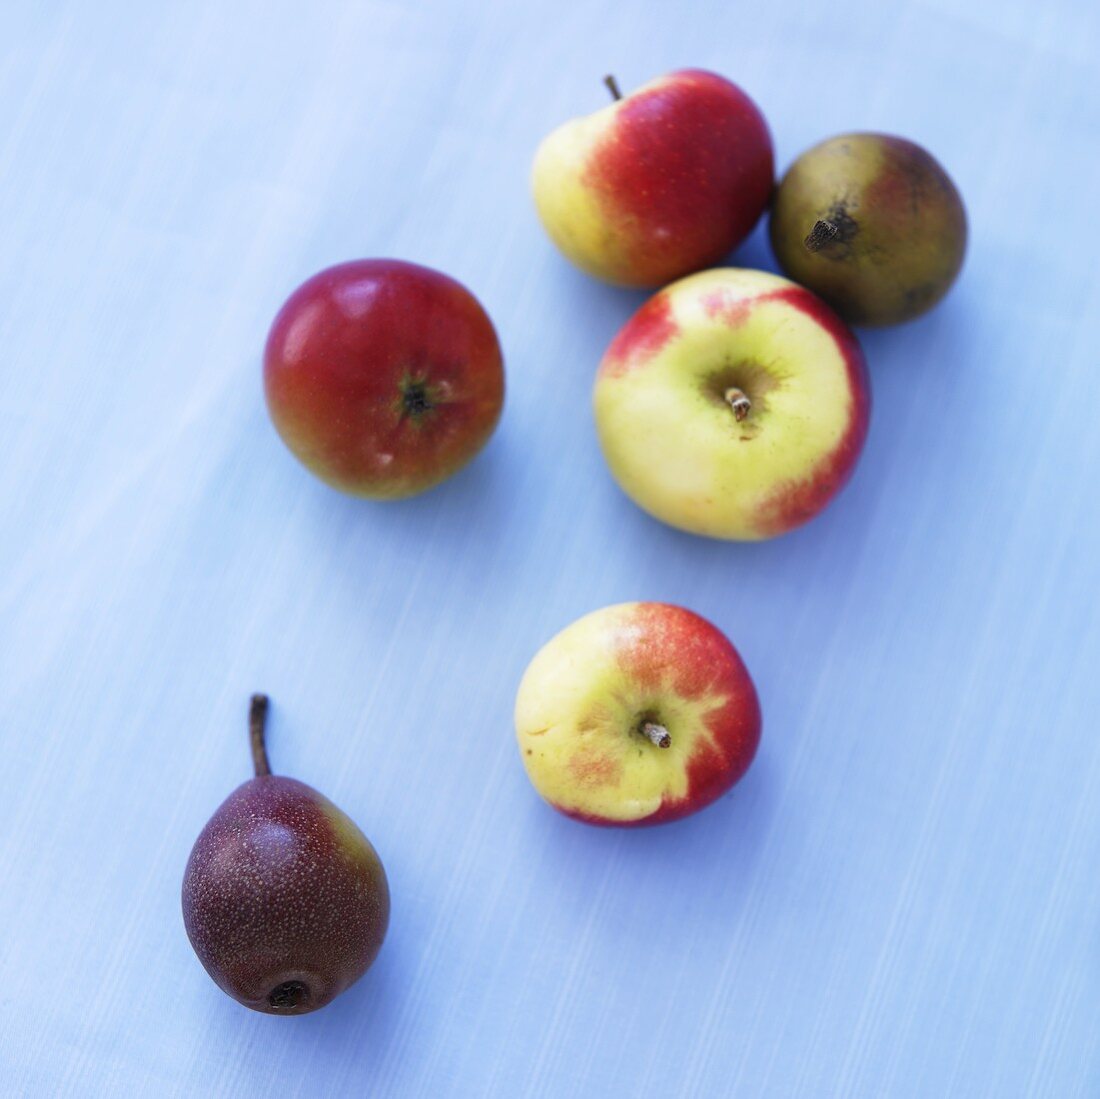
902	896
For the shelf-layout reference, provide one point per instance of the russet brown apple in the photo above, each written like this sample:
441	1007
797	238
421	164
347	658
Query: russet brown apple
873	224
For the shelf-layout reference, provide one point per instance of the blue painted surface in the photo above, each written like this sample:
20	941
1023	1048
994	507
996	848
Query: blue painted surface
900	899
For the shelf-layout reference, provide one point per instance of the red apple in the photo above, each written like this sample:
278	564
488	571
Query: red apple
383	377
658	184
636	714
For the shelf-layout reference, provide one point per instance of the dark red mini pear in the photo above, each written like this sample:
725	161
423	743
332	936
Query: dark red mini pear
284	900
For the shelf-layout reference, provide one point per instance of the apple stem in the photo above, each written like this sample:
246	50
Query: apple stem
657	733
738	401
820	235
257	723
613	86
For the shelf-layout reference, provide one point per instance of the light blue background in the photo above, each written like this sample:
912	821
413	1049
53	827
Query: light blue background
902	897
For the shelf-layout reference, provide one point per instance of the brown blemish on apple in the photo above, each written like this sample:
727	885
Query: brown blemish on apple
540	732
593	768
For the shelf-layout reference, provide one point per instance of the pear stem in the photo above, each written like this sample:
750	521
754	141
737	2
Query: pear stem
820	235
657	733
738	400
613	86
257	724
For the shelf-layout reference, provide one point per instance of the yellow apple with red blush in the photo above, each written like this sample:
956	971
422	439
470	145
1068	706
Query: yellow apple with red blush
733	404
638	713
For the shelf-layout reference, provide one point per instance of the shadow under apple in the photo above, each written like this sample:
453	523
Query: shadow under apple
712	854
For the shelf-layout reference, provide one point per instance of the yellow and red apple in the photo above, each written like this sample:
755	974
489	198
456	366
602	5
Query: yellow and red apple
733	404
665	181
383	377
636	714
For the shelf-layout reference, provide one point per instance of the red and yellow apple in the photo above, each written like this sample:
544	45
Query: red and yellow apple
663	182
733	404
383	377
636	714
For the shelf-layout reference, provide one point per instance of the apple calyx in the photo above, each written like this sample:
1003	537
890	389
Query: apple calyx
838	228
289	995
613	86
257	725
657	733
738	400
416	400
820	235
